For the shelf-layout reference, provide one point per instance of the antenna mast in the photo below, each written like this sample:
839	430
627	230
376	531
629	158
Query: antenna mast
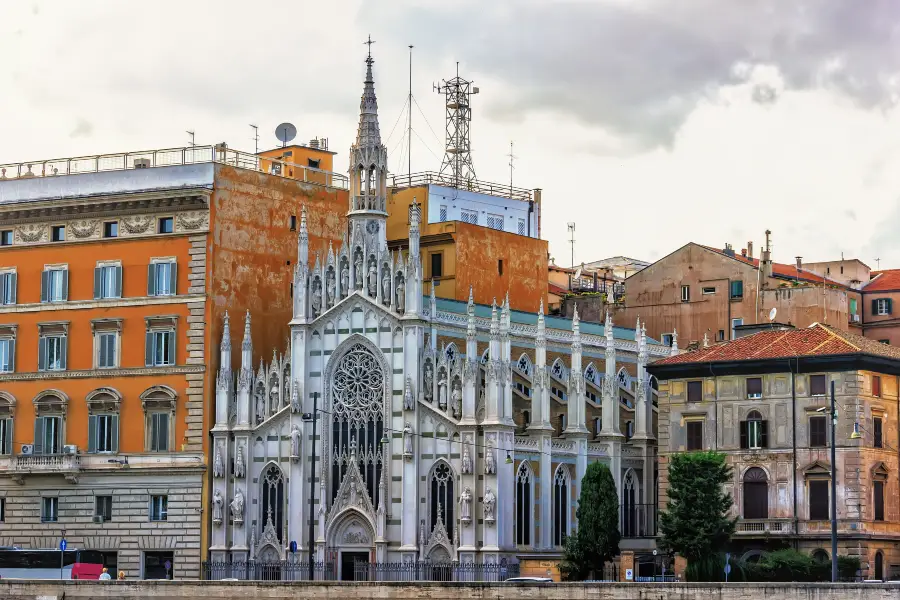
255	137
191	133
409	101
572	241
512	157
457	161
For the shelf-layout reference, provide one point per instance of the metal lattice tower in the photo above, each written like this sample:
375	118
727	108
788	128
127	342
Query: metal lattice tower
457	163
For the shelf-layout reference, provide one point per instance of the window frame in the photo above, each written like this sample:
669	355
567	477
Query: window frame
755	395
824	431
48	285
824	380
110	230
823	483
882	307
6	234
440	259
153	277
734	294
696	423
878	483
57	229
9	279
685	293
8	340
103	504
708	290
493	219
158	509
693	385
59	333
165	219
877	431
876	386
735	323
106	273
49	509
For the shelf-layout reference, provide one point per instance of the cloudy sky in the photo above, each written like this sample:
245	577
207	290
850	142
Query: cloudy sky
650	123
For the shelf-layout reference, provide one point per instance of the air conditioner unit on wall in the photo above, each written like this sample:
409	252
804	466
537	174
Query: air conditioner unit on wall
27	449
98	519
854	318
70	449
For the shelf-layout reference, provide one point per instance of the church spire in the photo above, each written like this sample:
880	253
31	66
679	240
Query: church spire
303	239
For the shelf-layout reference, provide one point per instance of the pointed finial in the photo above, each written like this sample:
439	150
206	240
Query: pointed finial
608	326
246	344
541	308
369	43
471	295
226	335
575	315
674	350
705	340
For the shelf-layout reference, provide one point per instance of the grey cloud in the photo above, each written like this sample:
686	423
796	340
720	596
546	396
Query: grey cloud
638	68
83	128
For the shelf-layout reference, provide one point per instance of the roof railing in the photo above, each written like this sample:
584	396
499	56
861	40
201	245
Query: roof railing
473	185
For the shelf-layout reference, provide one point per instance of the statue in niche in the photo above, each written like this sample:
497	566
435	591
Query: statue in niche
295	399
286	389
386	288
373	280
455	399
442	390
329	288
429	382
401	296
218	463
465	506
407	440
409	401
260	406
239	462
273	399
423	538
217	502
466	460
317	298
237	507
490	465
490	503
345	280
295	441
358	274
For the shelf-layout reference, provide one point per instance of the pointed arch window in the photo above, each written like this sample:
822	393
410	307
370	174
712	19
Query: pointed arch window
558	370
442	492
524	510
273	499
591	373
561	501
524	365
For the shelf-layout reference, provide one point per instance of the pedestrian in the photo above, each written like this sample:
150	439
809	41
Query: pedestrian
121	575
105	576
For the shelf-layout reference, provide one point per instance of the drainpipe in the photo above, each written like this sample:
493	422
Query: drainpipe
794	447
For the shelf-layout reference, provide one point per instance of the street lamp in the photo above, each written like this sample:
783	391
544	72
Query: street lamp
312	483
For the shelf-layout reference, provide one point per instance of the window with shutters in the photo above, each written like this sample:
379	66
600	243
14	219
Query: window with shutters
818	494
754	432
55	284
6	435
694	391
159	432
8	287
754	387
882	306
160	345
103	507
877	432
876	386
49	509
755	488
52	346
159	508
817	385
159	408
7	353
107	344
737	289
495	221
49	424
162	277
878	499
103	420
694	435
818	431
108	280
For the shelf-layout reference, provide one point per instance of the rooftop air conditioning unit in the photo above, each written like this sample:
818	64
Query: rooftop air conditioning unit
98	519
27	449
142	163
854	318
70	449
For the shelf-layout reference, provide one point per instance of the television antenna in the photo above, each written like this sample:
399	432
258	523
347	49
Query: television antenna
772	314
255	137
191	133
512	158
572	240
457	161
285	133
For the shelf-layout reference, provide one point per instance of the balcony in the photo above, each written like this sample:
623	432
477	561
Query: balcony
20	465
757	527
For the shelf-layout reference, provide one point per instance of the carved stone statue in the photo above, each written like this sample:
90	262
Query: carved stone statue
317	298
401	296
490	503
329	288
373	281
237	507
218	463
466	460
358	271
490	465
429	382
345	280
423	538
239	468
409	401
295	441
217	502
442	390
407	440
465	506
295	398
386	288
456	399
260	407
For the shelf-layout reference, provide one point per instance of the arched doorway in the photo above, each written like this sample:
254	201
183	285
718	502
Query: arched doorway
879	566
353	537
756	494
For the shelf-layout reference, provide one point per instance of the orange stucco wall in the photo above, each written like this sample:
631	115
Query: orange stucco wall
81	258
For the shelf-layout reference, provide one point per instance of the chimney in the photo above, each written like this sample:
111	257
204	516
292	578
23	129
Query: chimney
749	249
729	251
799	263
744	252
766	257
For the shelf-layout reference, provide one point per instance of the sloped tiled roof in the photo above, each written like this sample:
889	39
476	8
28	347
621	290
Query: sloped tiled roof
884	281
779	269
815	340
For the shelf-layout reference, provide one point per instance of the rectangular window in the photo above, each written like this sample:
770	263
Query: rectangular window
48	435
6	436
103	507
734	324
523	229
685	293
737	289
52	353
817	385
876	386
108	281
694	391
443	213
159	432
160	349
495	221
852	306
6	237
754	434
720	336
500	267
49	509
8	287
694	435
166	225
878	493
313	163
468	216
111	229
818	499
877	432
55	285
7	355
161	278
58	233
754	387
709	290
106	350
159	508
437	264
667	339
2	510
103	433
818	432
882	306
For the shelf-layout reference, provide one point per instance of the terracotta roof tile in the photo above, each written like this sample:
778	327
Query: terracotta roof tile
884	281
780	269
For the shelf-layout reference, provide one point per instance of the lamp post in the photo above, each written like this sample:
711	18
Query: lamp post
312	484
834	543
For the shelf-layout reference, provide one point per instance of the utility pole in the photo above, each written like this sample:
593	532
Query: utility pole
512	158
312	486
255	138
572	241
834	540
191	133
409	101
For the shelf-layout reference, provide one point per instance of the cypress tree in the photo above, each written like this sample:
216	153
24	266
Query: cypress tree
596	541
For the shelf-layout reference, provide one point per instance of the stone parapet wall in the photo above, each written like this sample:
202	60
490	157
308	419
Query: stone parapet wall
179	590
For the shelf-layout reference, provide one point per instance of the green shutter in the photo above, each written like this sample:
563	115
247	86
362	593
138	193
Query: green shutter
173	278
98	282
148	351
92	433
12	355
102	356
114	424
45	286
12	282
119	293
4	282
874	307
42	354
65	284
63	352
163	432
889	303
151	279
7	446
39	435
171	343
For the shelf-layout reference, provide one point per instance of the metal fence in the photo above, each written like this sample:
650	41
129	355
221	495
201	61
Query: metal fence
360	571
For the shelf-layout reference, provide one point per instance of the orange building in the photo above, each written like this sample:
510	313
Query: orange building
110	270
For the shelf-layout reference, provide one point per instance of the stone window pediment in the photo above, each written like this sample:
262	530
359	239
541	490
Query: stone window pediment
159	397
54	328
51	402
817	469
103	400
7	405
106	325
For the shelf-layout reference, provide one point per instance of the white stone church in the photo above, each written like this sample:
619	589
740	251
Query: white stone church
446	431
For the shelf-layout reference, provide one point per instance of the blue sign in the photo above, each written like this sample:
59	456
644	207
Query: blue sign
62	545
728	569
293	546
168	565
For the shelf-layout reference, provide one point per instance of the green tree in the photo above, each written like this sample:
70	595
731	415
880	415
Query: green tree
695	523
596	540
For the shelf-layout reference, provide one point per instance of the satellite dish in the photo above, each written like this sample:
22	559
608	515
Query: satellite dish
578	273
772	314
285	133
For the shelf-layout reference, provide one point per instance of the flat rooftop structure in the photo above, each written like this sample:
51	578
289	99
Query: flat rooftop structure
43	179
480	187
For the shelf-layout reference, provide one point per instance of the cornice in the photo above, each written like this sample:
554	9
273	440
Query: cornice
101	303
105	205
103	373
